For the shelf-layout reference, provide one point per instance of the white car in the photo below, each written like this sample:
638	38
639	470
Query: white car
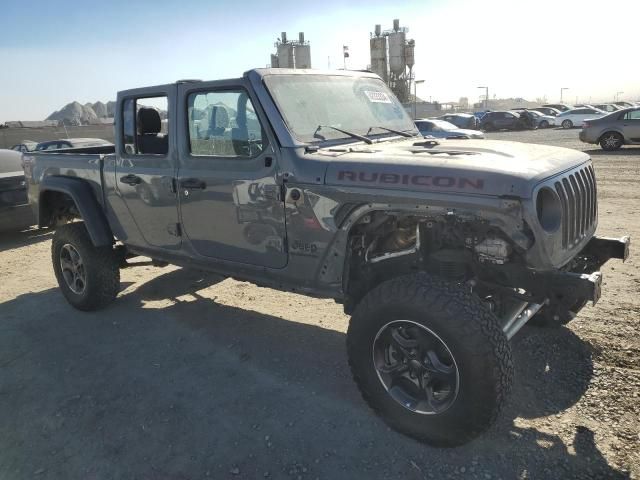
576	116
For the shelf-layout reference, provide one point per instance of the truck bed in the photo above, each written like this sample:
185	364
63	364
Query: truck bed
84	163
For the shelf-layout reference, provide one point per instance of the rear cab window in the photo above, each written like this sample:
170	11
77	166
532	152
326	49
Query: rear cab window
145	126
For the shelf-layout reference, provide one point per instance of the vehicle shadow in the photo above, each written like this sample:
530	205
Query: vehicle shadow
624	151
203	389
16	239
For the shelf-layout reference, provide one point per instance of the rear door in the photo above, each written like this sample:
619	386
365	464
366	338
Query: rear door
581	115
146	166
229	187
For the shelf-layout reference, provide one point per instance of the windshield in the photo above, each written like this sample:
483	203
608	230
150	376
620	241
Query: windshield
353	104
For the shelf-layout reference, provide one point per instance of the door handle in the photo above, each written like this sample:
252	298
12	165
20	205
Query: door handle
193	184
131	179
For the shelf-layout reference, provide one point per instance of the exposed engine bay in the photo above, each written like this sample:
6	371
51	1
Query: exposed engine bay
467	251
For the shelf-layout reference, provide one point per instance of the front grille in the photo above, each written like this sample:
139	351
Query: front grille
578	195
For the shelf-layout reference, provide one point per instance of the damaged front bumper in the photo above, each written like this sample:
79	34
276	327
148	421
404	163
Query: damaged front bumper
578	282
556	294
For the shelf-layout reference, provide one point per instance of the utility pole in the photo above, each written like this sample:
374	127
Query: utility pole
486	97
562	91
415	97
618	95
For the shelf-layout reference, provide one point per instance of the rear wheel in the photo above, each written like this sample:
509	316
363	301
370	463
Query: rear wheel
567	124
544	124
430	359
611	141
88	276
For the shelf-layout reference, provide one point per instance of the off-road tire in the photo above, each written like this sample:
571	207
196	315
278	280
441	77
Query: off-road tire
566	124
470	331
101	268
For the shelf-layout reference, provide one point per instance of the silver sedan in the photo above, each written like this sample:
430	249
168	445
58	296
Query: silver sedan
613	130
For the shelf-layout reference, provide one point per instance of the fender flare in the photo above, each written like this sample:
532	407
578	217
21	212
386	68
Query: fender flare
82	194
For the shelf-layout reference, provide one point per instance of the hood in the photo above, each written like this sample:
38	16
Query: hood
468	132
484	167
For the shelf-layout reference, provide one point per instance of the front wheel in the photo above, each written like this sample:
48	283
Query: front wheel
611	141
430	359
567	124
88	276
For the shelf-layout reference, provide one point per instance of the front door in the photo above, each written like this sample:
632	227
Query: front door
146	165
228	184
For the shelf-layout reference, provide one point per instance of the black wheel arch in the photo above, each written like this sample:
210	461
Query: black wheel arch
58	193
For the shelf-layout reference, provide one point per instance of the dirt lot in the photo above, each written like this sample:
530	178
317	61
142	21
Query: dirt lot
189	376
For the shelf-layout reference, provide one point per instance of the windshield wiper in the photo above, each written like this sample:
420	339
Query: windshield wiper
366	140
397	132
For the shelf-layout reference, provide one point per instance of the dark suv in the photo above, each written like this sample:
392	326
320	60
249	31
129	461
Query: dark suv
503	120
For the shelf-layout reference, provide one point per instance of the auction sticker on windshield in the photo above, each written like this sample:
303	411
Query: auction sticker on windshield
378	97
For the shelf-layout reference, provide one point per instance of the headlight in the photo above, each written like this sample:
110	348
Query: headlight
549	209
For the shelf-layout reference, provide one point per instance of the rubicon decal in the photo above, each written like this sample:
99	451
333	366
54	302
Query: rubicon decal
417	180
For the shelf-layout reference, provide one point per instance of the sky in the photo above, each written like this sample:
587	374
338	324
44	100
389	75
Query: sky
54	52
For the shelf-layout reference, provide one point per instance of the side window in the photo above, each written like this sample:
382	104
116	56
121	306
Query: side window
634	115
145	128
224	123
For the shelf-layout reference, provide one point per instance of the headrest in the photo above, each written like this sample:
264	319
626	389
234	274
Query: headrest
219	118
149	121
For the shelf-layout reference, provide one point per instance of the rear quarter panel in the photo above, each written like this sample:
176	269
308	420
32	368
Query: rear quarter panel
40	165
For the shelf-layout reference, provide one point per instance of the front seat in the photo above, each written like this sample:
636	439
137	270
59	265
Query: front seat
150	140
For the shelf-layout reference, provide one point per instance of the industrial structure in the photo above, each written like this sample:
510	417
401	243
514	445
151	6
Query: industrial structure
291	53
392	57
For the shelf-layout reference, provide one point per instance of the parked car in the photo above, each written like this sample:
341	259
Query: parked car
25	146
558	106
538	119
15	212
614	130
504	120
396	229
72	143
552	112
460	120
575	117
441	129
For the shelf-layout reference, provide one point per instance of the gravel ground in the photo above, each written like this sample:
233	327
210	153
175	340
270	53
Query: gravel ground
190	376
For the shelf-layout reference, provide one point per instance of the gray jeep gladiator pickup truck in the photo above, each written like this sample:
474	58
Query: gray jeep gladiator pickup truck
319	183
